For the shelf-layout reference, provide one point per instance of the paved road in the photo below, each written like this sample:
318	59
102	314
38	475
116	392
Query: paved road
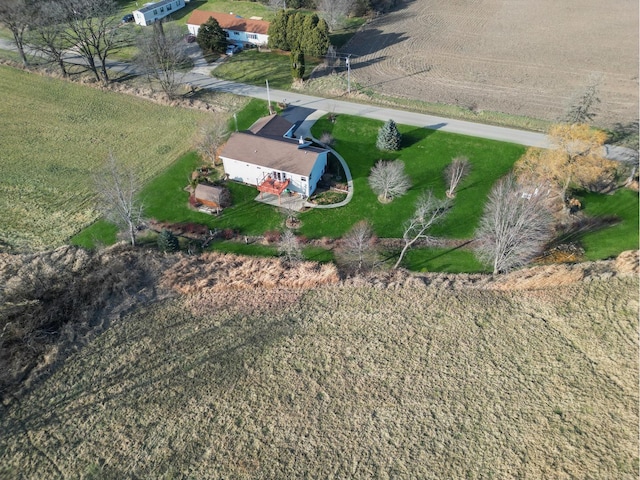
341	106
378	113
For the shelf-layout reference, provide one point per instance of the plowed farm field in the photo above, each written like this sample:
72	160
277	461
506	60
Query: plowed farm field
512	56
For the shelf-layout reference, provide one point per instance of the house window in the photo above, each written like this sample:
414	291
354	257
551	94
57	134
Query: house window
155	12
303	179
236	33
169	8
226	34
252	36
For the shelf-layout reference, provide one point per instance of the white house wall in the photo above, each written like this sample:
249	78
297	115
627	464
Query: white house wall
250	174
242	38
157	12
237	37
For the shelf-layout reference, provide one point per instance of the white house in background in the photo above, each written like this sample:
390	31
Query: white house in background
268	157
152	12
240	31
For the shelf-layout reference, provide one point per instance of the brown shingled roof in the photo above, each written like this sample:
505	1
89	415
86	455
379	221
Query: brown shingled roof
271	126
280	154
229	22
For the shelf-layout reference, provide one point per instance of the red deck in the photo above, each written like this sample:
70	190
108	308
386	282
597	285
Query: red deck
273	186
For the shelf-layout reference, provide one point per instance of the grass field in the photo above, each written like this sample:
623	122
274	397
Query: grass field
425	153
255	67
56	135
345	382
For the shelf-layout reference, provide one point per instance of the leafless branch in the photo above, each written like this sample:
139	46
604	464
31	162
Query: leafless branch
515	225
388	180
455	172
117	189
430	210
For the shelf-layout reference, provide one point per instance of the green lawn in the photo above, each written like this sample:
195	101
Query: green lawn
425	153
245	9
443	260
255	67
610	241
56	136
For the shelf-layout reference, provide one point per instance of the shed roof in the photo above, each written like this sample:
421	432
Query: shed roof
210	193
151	6
229	22
276	153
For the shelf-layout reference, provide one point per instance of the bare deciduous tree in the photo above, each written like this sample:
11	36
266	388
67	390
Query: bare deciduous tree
46	34
430	210
334	12
161	53
359	246
117	189
289	247
515	225
92	29
210	138
16	16
454	173
388	180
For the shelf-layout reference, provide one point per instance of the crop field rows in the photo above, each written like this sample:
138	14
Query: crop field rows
521	58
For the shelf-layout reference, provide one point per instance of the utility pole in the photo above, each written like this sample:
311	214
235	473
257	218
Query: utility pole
348	73
235	117
269	98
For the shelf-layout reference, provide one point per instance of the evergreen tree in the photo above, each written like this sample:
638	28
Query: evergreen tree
168	242
316	38
389	137
278	31
211	37
297	64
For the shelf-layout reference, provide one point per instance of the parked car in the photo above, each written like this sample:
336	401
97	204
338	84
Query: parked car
127	18
231	49
189	38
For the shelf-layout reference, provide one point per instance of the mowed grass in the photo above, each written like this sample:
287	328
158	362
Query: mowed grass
345	382
254	67
57	135
242	8
425	153
610	241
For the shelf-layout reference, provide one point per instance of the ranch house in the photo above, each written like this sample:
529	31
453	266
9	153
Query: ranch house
152	12
268	157
239	31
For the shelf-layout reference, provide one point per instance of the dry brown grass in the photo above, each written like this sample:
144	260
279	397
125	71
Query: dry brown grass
396	375
219	271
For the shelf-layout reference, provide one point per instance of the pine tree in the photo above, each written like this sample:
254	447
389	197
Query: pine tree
297	64
389	137
211	37
168	242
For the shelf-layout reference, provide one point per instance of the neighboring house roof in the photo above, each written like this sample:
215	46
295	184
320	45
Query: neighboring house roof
150	7
271	126
229	22
276	153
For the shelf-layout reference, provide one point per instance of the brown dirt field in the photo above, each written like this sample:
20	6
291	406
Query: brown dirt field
525	58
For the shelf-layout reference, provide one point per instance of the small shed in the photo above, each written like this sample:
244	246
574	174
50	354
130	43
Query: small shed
212	196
